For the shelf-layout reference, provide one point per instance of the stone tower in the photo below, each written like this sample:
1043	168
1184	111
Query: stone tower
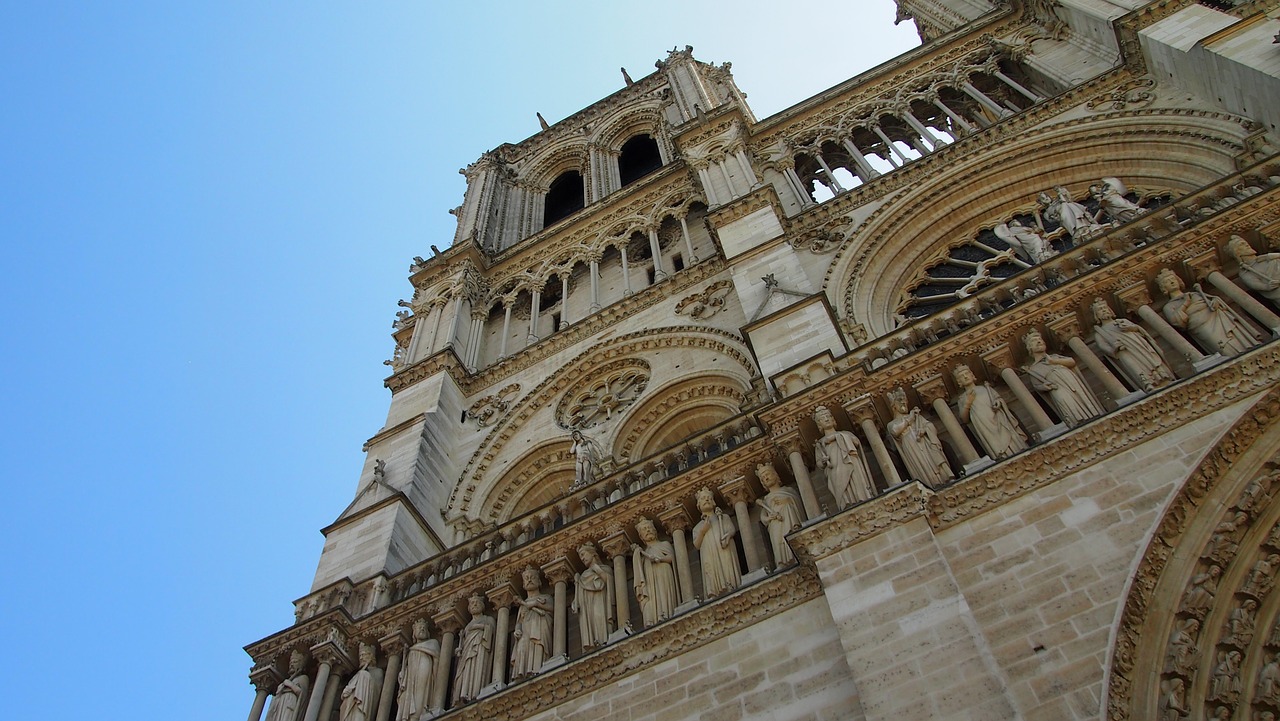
946	393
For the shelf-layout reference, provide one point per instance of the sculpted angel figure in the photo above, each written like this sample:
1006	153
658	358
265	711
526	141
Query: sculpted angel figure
1132	349
417	676
1030	245
290	700
474	653
360	697
593	598
840	452
780	512
713	537
1056	376
1072	216
653	566
917	442
1110	196
1259	273
586	459
1206	317
988	415
533	627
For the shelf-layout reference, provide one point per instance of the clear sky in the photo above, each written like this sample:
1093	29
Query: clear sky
207	211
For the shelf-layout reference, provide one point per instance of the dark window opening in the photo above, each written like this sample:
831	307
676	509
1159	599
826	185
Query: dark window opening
649	272
564	198
555	322
677	263
639	157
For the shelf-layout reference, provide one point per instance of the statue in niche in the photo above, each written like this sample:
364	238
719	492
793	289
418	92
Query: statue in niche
1240	625
360	696
586	459
917	442
533	627
1132	349
1173	699
653	567
593	598
1204	586
417	676
1259	273
1110	196
780	512
1056	376
987	414
713	537
1261	576
1225	684
1269	681
290	700
1183	656
1222	545
1072	216
1028	243
840	453
1206	317
475	653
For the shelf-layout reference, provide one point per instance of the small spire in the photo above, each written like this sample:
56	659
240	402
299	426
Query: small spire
543	122
627	78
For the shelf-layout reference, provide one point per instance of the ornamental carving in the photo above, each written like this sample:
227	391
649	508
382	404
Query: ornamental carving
614	390
484	410
705	303
1130	95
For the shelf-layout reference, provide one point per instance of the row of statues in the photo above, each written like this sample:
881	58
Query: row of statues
1078	221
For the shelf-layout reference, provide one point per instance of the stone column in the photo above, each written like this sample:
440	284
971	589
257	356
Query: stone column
265	679
797	186
333	659
830	176
955	118
1241	297
1016	86
893	148
449	620
688	242
1028	401
533	316
919	127
559	572
724	173
437	310
564	300
477	336
330	696
618	545
676	520
747	171
595	285
626	272
739	494
502	596
866	417
865	171
1098	368
506	328
655	248
812	509
393	644
986	102
705	177
1170	334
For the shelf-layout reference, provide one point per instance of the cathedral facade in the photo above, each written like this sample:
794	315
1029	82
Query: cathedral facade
948	392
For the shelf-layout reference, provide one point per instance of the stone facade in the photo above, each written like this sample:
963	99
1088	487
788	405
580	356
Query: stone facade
646	303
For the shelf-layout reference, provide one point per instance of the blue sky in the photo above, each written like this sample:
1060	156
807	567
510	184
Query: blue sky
208	211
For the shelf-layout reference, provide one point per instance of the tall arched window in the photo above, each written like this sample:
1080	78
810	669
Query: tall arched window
564	198
639	157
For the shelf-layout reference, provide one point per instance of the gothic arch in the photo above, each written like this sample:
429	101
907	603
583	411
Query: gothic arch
1175	149
559	158
680	409
1234	483
535	478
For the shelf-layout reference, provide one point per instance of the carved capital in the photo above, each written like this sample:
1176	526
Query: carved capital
449	617
332	649
675	518
394	642
931	389
999	358
504	594
1066	327
265	677
865	411
737	490
617	543
558	571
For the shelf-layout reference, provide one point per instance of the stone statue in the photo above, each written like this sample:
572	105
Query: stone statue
533	627
593	598
475	653
840	452
987	414
1269	681
360	696
1204	586
713	537
1240	623
1173	701
1206	317
653	568
1027	242
1225	684
1110	196
1132	349
1259	273
290	700
917	442
1222	545
780	512
1183	655
1056	376
1261	576
586	459
1072	216
417	676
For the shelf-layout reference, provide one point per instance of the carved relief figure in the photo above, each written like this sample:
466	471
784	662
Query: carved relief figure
1222	545
1028	243
1261	576
1072	216
780	512
1110	196
1173	702
1225	684
917	442
1183	656
1260	273
1269	681
533	627
1056	376
713	537
586	459
840	452
653	565
360	696
1206	317
1204	586
1240	624
593	596
987	414
290	700
474	653
1132	349
417	676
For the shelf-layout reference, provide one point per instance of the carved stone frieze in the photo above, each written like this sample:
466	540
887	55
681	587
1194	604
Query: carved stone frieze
484	410
612	388
1132	94
706	302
